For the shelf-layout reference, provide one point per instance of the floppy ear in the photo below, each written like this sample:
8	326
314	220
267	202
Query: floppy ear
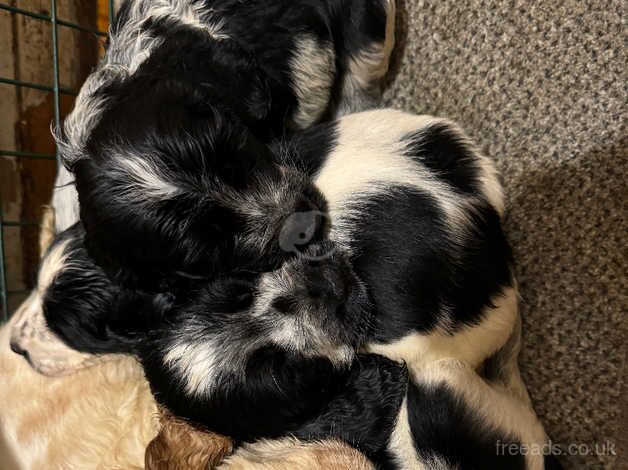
365	410
89	312
276	394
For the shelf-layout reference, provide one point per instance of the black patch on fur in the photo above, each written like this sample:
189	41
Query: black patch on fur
88	311
443	426
422	269
364	413
442	150
278	394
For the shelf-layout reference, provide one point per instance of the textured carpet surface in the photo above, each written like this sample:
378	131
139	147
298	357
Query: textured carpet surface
541	85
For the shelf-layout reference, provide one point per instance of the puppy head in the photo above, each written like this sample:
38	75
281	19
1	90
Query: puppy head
184	191
30	335
285	338
74	311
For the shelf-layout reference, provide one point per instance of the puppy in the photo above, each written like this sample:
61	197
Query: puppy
100	417
411	189
168	136
415	267
109	404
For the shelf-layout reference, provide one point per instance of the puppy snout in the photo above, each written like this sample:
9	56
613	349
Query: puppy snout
18	349
329	280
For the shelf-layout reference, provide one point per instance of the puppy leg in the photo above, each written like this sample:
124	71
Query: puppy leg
369	33
503	366
492	404
181	446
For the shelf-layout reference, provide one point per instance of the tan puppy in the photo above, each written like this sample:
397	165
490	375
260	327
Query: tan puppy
101	417
181	446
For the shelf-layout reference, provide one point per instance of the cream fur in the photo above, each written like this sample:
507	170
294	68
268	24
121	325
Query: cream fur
290	454
99	418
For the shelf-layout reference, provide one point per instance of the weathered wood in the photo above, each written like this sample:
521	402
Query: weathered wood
26	115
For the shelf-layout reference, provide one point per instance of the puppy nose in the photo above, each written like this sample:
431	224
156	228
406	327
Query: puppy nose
327	280
17	349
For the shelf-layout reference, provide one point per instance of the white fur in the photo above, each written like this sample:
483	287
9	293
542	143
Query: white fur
147	182
313	72
195	360
65	197
472	344
494	405
401	445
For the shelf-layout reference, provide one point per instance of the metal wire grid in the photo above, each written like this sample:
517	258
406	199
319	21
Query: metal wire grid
56	90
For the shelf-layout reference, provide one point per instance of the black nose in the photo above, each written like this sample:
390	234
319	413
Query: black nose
17	349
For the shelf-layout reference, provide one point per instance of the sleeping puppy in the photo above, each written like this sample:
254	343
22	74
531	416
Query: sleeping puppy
411	245
414	265
256	355
168	136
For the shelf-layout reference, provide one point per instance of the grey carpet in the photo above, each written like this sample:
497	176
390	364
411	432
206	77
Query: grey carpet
541	85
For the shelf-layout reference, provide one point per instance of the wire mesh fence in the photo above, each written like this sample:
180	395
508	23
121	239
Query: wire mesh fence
57	91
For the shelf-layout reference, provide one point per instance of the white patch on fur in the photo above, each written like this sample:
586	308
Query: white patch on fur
401	444
472	344
313	70
64	200
369	158
52	264
493	405
298	332
128	48
147	181
88	108
195	361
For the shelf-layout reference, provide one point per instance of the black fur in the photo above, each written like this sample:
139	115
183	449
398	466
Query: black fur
444	426
199	111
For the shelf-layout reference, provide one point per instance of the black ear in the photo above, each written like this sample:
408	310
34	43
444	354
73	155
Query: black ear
276	394
259	100
77	302
364	412
84	307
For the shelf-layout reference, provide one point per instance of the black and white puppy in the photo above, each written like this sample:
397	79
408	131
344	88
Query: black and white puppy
414	264
167	140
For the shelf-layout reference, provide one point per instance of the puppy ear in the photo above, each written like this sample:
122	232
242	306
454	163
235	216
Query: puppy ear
81	305
367	405
275	394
